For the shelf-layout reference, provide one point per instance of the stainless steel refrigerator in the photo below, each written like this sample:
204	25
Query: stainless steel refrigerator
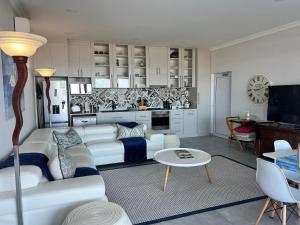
59	102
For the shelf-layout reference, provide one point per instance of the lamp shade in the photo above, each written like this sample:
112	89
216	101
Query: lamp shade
20	43
46	72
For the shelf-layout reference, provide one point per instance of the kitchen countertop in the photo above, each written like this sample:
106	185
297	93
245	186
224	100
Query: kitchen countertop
124	110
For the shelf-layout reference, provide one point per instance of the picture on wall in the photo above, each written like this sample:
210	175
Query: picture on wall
9	72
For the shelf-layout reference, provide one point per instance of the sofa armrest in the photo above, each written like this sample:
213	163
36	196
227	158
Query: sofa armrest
154	136
56	193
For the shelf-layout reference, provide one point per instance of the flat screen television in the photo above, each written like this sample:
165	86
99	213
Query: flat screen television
284	104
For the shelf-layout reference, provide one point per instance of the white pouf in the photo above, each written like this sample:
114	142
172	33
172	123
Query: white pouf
171	141
98	213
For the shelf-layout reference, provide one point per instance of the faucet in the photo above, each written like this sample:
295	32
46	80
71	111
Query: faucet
113	105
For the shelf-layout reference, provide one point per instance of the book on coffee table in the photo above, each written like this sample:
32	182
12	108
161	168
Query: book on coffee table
184	154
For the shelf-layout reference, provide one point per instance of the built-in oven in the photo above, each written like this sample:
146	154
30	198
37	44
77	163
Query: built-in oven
161	120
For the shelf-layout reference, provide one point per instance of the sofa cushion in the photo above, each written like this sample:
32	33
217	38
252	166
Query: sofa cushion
40	136
105	148
30	177
67	139
83	161
102	132
61	165
126	132
79	150
44	148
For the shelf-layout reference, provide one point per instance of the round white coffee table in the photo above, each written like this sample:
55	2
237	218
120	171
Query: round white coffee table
169	158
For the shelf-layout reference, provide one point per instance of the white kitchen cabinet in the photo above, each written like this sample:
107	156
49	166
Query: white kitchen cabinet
112	65
102	76
181	67
184	122
115	117
78	121
80	61
190	122
53	55
144	117
121	66
139	67
176	122
158	63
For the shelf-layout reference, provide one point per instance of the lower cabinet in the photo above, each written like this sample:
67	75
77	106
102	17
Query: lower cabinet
190	123
115	117
176	122
144	117
184	122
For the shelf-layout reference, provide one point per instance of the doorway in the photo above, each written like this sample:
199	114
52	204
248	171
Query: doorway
221	103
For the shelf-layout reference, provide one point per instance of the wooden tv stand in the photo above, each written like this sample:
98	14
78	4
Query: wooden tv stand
269	132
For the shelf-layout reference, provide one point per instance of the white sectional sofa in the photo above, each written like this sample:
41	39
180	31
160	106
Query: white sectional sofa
47	203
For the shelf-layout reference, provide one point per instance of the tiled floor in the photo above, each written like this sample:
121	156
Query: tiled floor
237	215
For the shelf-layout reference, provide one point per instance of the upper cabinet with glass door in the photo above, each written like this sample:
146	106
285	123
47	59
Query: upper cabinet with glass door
139	67
188	68
181	67
102	65
174	61
121	67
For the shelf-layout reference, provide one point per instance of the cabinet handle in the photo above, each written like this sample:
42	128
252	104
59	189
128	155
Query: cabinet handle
156	71
78	72
81	73
159	70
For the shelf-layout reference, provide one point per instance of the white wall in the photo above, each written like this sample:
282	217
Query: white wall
203	91
277	56
7	126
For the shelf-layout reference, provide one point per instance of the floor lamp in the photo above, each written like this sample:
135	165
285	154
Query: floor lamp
20	46
47	73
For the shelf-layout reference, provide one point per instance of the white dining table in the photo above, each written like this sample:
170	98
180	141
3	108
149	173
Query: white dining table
280	154
283	156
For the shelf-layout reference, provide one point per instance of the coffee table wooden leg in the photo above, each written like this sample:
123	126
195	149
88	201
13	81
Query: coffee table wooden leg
208	175
168	168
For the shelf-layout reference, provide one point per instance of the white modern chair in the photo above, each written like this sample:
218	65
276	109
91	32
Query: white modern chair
268	176
283	145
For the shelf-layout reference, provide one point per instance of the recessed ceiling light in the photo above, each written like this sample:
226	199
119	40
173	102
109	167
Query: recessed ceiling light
71	10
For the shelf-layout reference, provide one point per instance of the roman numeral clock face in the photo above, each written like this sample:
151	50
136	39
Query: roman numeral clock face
258	90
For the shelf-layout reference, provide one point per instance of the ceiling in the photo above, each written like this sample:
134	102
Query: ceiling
193	23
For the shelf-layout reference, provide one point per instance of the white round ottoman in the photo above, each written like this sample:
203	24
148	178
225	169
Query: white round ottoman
171	141
98	213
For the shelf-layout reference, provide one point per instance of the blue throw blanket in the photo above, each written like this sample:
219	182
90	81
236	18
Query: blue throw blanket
85	171
30	159
289	163
135	147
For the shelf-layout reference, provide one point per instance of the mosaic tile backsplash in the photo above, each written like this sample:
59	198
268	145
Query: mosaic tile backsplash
102	98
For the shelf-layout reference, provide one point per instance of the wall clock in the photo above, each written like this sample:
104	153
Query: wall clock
258	89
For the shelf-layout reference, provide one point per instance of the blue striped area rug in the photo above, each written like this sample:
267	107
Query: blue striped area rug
138	189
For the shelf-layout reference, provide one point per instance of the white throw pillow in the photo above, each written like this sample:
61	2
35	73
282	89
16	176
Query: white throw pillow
61	165
125	132
67	139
